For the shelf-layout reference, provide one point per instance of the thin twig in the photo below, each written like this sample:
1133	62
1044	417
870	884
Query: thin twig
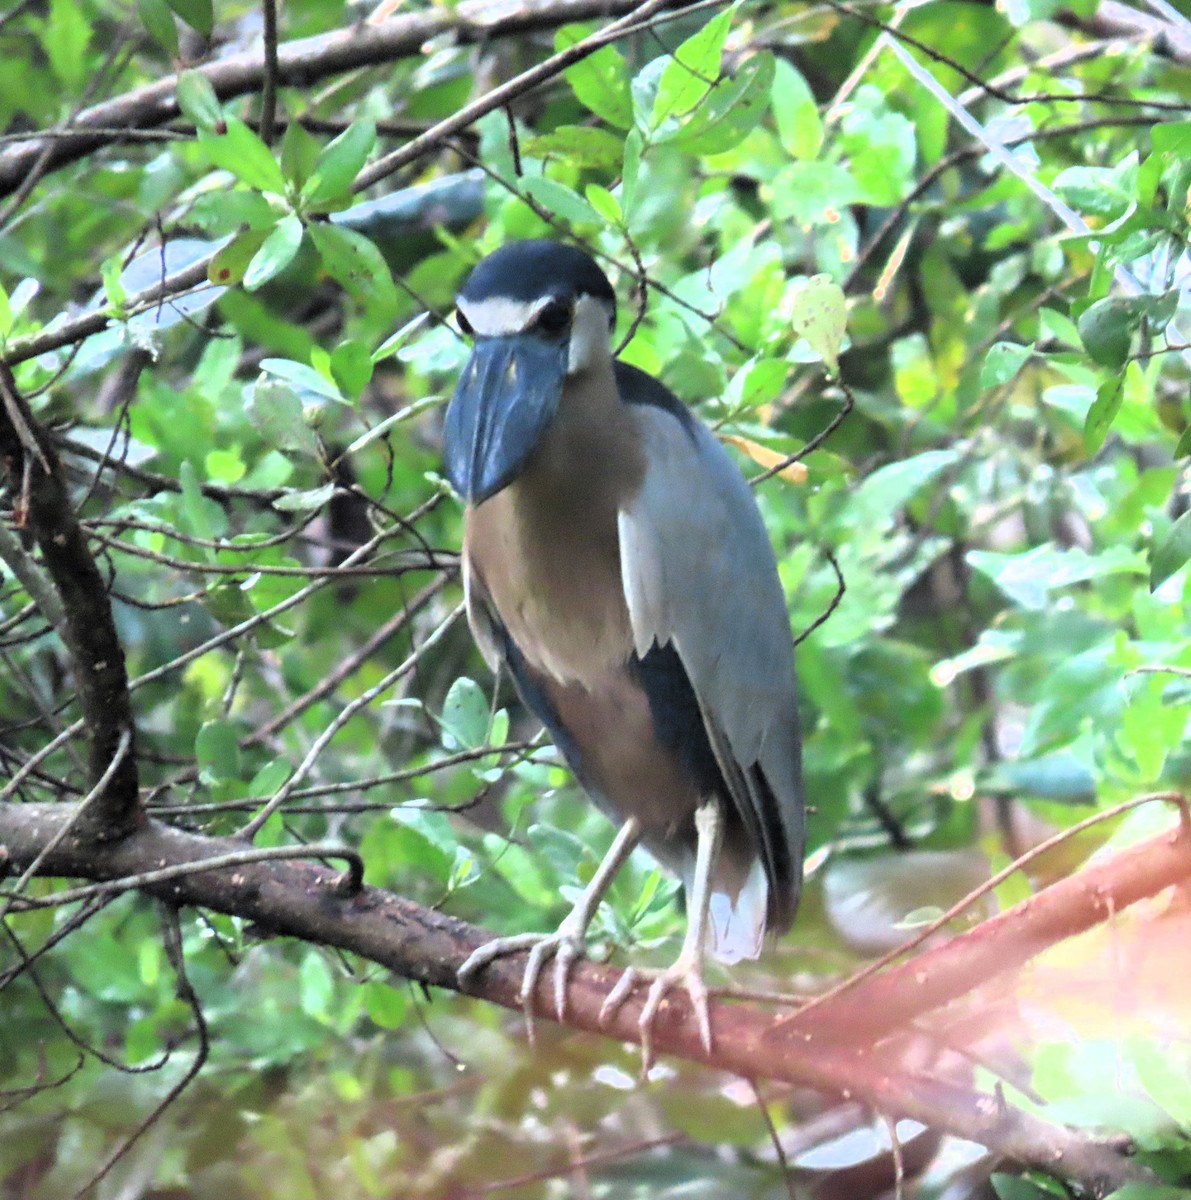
365	698
50	846
269	81
218	862
185	992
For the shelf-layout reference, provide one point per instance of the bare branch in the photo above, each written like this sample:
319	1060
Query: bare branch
97	657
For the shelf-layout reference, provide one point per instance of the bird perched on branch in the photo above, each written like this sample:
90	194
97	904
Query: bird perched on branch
616	565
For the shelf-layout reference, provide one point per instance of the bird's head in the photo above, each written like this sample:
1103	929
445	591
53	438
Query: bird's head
539	312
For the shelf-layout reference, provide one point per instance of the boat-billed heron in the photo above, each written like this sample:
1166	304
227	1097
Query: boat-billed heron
616	565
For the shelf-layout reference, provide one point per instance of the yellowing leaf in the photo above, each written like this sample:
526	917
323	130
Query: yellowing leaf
819	314
792	472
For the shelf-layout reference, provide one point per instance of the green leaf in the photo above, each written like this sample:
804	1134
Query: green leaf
732	110
634	145
299	153
880	144
692	71
276	253
1017	1187
385	1005
217	750
203	517
5	314
819	314
561	200
887	490
605	203
1002	362
197	100
351	364
399	337
813	193
1149	1191
158	21
338	165
275	410
1184	446
1103	412
465	716
560	848
307	500
1173	137
240	151
795	112
1028	578
356	263
1165	1080
198	14
1106	329
758	382
113	284
270	778
316	987
229	264
600	81
1098	191
1172	552
311	385
582	145
1060	777
65	38
223	212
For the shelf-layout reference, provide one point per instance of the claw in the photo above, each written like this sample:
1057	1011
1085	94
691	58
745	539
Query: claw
686	972
564	945
690	976
491	951
569	950
615	999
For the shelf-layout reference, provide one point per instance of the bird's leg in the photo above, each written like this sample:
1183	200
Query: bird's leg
566	944
687	969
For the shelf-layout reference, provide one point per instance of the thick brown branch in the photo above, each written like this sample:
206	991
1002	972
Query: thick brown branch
97	659
306	901
299	63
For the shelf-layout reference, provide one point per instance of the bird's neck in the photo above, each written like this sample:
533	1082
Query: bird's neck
588	445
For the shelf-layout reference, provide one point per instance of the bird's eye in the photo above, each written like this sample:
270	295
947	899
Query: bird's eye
463	323
555	318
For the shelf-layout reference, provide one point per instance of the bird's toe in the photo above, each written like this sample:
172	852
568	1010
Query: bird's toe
570	949
489	952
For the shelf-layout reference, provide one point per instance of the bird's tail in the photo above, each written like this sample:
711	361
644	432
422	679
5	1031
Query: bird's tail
737	921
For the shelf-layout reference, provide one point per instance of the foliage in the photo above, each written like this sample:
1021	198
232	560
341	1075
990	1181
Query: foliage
256	463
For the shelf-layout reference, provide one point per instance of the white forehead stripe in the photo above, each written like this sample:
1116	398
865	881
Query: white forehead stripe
589	334
499	316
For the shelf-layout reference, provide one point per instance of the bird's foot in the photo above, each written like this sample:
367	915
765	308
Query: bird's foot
686	971
565	946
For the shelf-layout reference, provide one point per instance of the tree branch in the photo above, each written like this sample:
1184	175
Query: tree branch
880	1004
307	901
299	63
97	658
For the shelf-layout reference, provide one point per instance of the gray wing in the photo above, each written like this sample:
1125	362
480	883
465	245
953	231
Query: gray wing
698	571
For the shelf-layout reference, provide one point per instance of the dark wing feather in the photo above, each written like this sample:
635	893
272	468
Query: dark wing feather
699	573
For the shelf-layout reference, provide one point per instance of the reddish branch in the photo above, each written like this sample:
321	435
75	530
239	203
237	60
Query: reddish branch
30	465
935	977
308	901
